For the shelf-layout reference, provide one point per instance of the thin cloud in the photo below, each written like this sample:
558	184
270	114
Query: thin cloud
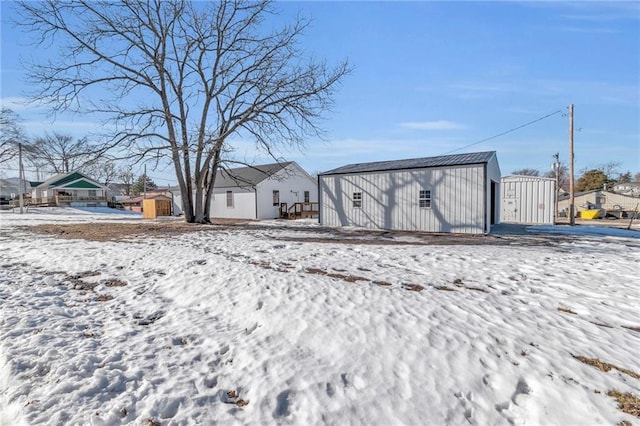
432	125
584	30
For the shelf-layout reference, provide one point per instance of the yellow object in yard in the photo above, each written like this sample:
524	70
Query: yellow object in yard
590	214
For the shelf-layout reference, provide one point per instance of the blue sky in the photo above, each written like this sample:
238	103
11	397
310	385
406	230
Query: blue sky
432	78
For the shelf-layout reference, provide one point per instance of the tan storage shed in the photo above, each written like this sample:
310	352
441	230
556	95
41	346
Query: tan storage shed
156	206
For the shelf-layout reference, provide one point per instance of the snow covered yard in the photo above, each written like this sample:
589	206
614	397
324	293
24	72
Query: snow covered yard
285	325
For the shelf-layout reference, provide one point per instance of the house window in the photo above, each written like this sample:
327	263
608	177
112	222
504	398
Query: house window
425	198
229	199
306	196
276	198
92	193
357	199
602	200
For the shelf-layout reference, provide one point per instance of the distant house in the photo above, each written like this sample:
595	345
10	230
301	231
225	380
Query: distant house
263	192
10	188
453	193
69	189
631	189
118	191
598	199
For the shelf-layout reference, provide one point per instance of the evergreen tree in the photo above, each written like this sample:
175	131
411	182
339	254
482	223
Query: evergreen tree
139	185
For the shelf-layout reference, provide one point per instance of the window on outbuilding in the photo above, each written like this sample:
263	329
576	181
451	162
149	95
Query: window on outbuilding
229	199
357	199
306	196
425	198
276	198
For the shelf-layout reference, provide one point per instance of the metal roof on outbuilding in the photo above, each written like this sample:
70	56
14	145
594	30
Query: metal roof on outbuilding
415	163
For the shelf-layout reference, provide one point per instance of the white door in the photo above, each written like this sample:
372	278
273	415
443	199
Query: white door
509	209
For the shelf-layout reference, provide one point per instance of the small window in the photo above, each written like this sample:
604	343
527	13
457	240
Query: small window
357	199
229	199
602	200
276	198
425	198
306	196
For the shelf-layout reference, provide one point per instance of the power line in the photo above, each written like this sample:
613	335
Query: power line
504	133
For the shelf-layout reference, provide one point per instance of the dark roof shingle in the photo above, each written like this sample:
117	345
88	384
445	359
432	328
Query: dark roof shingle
247	176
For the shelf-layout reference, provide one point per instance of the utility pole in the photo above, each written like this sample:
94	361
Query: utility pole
144	183
144	188
572	220
556	171
21	179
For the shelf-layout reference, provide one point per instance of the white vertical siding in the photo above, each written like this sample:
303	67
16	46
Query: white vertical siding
390	199
527	200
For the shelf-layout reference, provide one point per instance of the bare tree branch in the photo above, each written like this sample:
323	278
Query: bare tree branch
178	78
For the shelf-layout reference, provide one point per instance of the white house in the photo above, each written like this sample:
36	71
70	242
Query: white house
69	189
631	189
452	193
527	199
260	192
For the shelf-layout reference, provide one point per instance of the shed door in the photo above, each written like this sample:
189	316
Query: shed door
510	209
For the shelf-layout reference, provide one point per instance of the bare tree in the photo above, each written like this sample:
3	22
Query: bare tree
104	171
183	78
62	153
11	134
126	176
563	176
527	172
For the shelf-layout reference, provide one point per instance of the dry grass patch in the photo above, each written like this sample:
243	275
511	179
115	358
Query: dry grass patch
413	287
348	278
567	311
104	298
477	289
113	282
116	231
627	402
605	366
599	324
632	328
444	288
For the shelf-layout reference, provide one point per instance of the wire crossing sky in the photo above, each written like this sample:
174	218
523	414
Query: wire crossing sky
438	77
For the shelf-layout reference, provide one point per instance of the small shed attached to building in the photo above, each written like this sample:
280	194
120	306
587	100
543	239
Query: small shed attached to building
452	193
527	199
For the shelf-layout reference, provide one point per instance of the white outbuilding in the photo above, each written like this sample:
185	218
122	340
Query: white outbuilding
527	199
452	193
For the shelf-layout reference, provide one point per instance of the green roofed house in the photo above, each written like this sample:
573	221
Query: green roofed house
68	189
